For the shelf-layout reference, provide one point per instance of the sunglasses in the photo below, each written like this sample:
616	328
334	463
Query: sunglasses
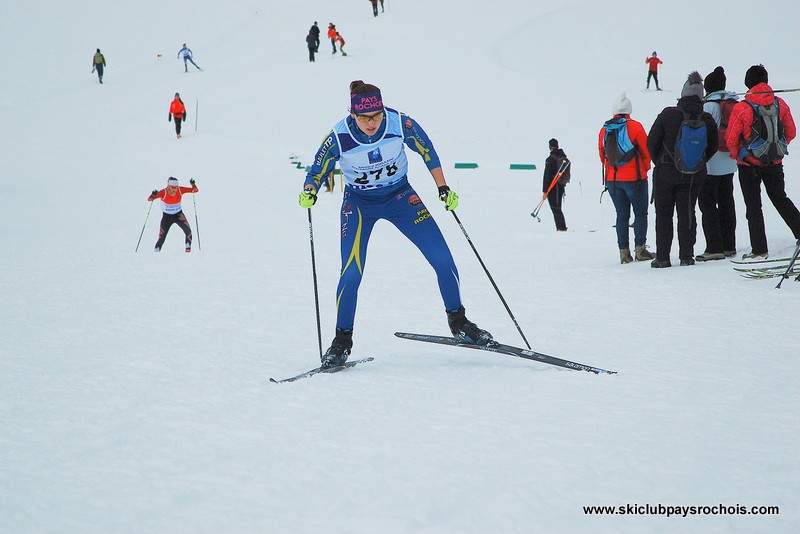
363	119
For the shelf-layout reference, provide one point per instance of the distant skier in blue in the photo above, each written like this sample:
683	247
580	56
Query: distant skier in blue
369	145
186	53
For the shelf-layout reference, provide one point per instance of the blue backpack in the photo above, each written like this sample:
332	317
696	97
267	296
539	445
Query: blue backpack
617	145
690	146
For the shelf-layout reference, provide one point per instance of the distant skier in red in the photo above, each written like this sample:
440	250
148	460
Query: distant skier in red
172	210
652	69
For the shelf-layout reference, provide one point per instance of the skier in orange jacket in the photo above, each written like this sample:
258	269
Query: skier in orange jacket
172	210
178	111
652	69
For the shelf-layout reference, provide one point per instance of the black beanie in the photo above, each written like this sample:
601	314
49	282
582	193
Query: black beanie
755	75
715	81
553	143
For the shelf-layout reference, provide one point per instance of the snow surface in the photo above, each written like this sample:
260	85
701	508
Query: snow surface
134	393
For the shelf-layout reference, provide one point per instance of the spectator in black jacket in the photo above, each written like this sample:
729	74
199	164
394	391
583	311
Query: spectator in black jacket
672	189
312	44
315	32
555	194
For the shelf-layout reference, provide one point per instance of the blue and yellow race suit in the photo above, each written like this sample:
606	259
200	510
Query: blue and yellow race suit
376	187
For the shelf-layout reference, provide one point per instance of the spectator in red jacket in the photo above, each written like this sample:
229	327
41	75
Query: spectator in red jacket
652	69
172	210
178	111
339	39
627	183
753	171
332	35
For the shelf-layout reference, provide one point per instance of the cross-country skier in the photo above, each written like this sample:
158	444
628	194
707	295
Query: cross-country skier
369	145
172	210
187	55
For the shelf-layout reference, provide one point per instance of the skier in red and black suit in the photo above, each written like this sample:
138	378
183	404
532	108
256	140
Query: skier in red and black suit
172	210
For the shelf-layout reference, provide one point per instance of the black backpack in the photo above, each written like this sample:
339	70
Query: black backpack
563	165
767	142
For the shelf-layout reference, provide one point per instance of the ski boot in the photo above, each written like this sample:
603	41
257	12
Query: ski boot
465	330
339	350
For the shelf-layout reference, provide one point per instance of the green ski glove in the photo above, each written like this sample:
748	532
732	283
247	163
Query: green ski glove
450	198
308	198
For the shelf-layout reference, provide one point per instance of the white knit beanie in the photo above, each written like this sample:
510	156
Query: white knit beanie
622	105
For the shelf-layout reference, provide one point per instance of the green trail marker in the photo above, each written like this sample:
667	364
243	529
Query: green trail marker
466	165
522	167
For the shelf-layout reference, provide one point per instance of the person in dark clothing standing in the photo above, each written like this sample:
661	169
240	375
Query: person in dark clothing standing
374	7
672	189
716	196
312	44
315	32
557	161
98	63
768	170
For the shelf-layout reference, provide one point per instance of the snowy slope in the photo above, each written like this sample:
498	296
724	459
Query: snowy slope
134	393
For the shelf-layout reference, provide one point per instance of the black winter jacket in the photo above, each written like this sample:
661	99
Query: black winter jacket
551	169
664	133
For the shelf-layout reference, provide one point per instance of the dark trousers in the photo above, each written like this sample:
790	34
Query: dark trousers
654	75
375	9
99	68
333	44
750	180
311	51
167	220
719	213
178	122
556	199
674	194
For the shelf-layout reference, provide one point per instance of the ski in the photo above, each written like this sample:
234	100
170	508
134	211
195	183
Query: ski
759	262
764	269
318	370
494	346
761	275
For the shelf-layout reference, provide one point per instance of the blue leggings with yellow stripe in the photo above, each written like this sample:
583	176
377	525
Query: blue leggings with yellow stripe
401	206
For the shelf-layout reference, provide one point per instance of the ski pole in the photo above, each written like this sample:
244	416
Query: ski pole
143	226
491	279
769	92
196	224
314	273
791	264
557	177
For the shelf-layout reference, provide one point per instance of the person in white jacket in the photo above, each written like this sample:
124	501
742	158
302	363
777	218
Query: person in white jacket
716	196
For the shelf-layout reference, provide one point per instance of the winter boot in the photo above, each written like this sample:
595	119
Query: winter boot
625	256
687	262
710	256
642	254
660	264
755	256
339	350
465	330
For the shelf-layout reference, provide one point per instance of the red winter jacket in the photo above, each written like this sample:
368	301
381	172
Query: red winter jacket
627	173
653	62
177	109
741	121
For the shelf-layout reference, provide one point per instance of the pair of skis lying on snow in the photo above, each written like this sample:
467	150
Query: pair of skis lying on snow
492	346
